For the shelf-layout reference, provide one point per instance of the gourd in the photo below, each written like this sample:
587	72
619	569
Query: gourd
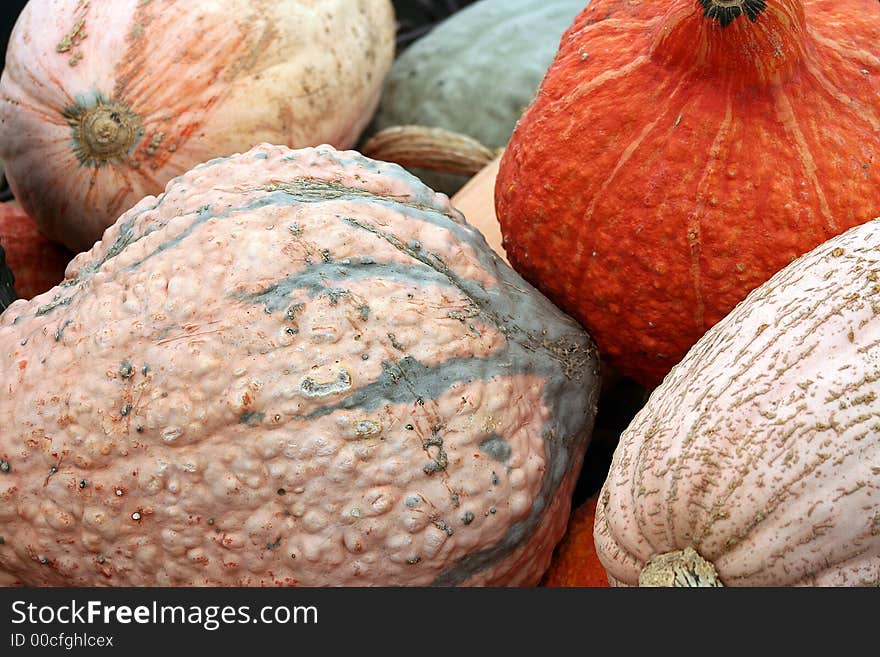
476	201
755	462
103	102
37	263
680	152
292	367
474	73
575	562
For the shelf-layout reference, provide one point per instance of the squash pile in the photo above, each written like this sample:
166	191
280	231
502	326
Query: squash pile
249	337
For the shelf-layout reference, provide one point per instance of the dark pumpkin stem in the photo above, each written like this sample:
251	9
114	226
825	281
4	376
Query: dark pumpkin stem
7	281
726	11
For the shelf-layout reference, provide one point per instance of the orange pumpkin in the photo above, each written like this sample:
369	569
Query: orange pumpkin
680	152
575	562
36	263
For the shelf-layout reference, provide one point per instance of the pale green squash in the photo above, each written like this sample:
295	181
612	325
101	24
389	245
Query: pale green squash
475	72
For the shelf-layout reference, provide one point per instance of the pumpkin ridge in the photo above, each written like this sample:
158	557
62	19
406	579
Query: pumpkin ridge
694	227
785	492
857	111
774	503
584	226
855	55
786	116
607	76
187	93
749	392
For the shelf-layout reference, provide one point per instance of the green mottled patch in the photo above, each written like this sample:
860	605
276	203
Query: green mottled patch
496	447
251	418
58	300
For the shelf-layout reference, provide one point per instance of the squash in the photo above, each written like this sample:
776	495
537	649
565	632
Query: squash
680	152
103	102
755	462
293	367
474	73
441	151
575	562
37	263
476	201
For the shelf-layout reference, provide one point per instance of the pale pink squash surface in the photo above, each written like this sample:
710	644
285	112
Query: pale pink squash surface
761	449
103	102
293	367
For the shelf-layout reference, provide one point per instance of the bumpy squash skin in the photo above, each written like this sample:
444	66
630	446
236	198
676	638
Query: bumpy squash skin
668	165
182	82
36	263
475	72
293	367
761	449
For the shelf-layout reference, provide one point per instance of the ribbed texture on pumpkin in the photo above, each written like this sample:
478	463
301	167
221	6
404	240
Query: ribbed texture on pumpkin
293	367
761	449
669	165
103	102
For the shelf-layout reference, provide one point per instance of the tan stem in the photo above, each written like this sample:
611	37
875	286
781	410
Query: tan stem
434	149
681	568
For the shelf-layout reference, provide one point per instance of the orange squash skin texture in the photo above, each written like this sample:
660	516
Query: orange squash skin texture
575	562
37	263
669	165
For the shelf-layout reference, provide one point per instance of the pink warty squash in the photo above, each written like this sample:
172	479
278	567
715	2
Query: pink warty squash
293	367
756	461
102	102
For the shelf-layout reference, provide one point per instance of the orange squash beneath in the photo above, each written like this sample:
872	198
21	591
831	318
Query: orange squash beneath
680	152
575	562
36	263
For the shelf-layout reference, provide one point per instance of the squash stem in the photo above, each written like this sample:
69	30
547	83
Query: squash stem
748	41
680	568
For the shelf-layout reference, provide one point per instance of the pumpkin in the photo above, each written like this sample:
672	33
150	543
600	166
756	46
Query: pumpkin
37	263
680	152
755	462
575	563
437	150
103	102
474	73
293	367
476	200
